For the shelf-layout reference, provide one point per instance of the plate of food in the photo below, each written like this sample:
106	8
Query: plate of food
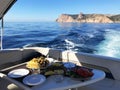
17	73
34	79
36	63
55	68
80	73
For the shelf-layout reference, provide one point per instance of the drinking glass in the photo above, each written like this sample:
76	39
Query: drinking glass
58	78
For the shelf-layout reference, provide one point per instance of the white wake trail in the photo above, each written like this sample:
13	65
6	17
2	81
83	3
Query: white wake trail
111	45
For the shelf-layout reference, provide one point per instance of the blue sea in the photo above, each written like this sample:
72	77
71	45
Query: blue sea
101	39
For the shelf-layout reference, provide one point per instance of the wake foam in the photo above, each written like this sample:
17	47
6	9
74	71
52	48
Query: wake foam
69	44
111	45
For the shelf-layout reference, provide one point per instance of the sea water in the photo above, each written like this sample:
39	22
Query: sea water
95	38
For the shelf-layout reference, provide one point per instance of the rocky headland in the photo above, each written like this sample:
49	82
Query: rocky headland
89	18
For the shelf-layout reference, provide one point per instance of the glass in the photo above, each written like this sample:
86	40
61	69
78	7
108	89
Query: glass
36	71
58	78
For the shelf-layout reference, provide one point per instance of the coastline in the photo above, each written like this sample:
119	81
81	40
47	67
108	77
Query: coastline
89	18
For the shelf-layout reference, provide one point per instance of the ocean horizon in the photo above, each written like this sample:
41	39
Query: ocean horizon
94	38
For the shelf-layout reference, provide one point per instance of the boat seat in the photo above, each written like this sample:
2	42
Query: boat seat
11	84
7	85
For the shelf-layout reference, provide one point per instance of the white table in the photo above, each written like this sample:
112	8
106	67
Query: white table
50	83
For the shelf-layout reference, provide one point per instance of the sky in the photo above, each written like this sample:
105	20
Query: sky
50	10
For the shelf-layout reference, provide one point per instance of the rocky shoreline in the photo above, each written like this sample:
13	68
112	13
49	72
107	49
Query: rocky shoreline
89	18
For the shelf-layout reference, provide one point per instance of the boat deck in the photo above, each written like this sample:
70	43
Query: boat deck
88	60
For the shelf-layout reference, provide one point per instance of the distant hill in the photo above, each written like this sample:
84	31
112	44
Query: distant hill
115	18
89	18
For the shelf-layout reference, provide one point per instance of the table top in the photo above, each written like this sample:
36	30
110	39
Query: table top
51	84
67	83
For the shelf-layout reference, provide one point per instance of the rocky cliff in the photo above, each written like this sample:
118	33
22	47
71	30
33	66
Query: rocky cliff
89	18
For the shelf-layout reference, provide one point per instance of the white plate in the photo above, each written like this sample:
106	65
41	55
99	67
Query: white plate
17	73
34	79
69	65
51	60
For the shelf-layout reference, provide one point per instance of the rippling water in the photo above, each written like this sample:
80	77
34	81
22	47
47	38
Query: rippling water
103	39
